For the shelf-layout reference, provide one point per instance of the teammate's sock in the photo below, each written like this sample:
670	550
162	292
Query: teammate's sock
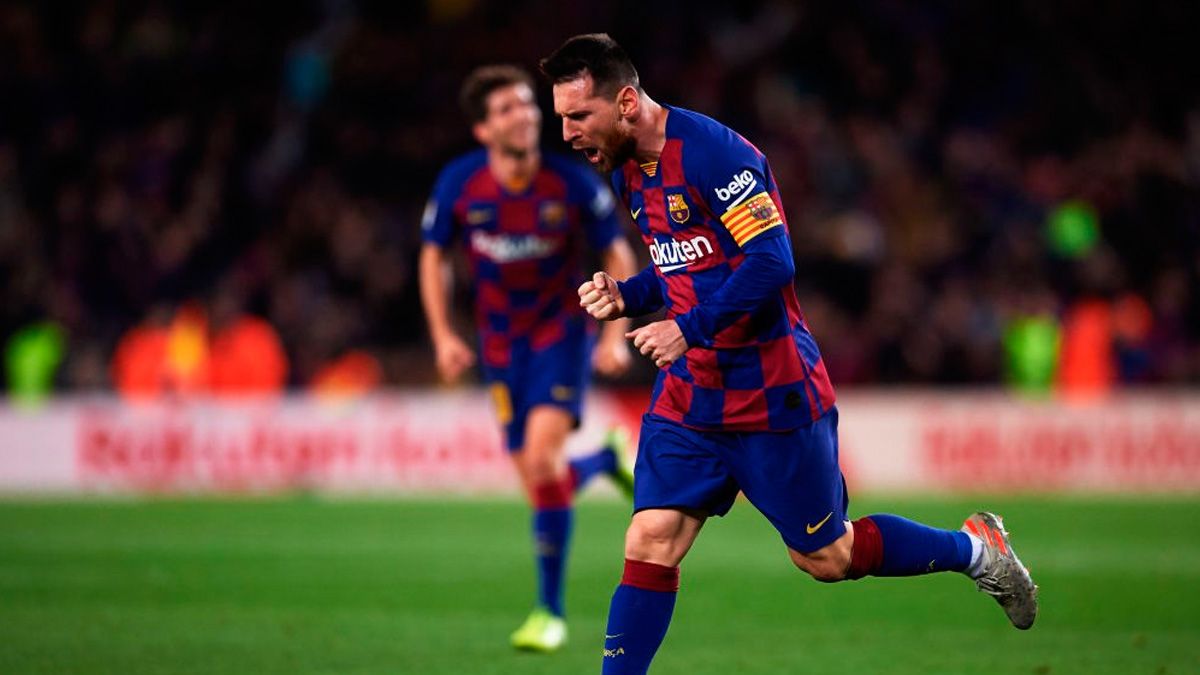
552	517
585	468
638	617
891	546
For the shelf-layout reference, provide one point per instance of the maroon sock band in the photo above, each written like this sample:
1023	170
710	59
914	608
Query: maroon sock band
553	495
651	577
867	553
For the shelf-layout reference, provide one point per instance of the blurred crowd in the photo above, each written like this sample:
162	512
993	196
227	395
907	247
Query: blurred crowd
978	193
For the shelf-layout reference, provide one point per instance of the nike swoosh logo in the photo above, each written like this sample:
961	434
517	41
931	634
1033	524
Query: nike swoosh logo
612	637
672	268
814	528
635	214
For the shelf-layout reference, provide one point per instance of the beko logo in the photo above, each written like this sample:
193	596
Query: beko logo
673	255
741	181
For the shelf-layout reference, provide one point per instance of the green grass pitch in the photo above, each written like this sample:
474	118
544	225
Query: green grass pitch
300	585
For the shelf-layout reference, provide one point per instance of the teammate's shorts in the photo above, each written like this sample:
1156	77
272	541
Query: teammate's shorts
792	477
556	375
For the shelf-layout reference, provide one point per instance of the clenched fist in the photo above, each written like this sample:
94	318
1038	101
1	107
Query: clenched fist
601	297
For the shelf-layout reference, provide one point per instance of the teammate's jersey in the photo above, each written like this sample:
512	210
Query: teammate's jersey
709	199
523	244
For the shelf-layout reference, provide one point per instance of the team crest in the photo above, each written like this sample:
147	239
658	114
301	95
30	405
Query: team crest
761	207
479	216
678	208
553	213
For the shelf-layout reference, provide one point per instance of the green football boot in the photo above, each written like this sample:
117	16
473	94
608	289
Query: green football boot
616	441
542	632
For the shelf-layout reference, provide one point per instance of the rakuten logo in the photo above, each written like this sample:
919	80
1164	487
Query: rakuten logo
742	181
505	248
673	255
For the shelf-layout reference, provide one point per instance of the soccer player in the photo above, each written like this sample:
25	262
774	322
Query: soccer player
742	400
524	216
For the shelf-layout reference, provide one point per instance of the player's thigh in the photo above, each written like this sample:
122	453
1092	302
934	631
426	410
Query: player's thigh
794	479
547	427
543	456
663	536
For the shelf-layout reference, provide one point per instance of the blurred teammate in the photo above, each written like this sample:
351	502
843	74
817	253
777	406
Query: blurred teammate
525	217
742	400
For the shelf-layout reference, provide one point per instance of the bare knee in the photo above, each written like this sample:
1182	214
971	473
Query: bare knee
828	564
543	459
650	535
661	536
539	467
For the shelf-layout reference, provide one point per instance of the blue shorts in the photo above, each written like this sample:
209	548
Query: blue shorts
556	375
792	477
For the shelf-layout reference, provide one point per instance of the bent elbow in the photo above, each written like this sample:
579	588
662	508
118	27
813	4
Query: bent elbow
783	268
775	260
787	268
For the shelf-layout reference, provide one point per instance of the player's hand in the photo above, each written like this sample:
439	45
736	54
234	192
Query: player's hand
601	297
662	341
611	357
454	357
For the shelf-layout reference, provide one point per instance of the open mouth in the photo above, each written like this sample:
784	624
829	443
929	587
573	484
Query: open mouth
592	154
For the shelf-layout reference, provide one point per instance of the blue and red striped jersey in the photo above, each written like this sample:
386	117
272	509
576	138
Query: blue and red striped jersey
707	205
524	245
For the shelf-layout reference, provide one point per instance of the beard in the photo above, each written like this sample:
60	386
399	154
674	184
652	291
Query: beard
623	150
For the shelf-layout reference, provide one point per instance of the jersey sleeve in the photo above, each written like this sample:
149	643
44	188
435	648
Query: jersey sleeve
437	222
598	210
737	186
767	268
642	293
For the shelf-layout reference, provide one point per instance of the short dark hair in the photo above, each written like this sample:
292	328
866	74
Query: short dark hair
483	81
595	54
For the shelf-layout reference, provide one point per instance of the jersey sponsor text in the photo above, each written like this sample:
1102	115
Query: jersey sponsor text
673	255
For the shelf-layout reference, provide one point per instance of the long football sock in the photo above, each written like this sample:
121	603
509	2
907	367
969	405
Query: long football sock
585	468
891	546
552	519
638	617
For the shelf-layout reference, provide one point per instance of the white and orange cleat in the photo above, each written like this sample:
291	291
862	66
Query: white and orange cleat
1000	572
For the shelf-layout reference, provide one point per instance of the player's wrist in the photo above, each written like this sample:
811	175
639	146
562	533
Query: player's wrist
690	327
444	339
627	299
618	311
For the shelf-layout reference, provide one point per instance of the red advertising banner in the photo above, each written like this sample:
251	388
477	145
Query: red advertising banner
444	442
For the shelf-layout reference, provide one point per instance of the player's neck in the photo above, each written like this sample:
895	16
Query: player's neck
513	170
651	134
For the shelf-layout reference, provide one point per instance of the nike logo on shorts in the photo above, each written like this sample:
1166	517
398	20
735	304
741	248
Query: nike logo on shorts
813	528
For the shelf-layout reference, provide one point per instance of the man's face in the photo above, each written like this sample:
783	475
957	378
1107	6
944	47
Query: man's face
591	123
513	121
